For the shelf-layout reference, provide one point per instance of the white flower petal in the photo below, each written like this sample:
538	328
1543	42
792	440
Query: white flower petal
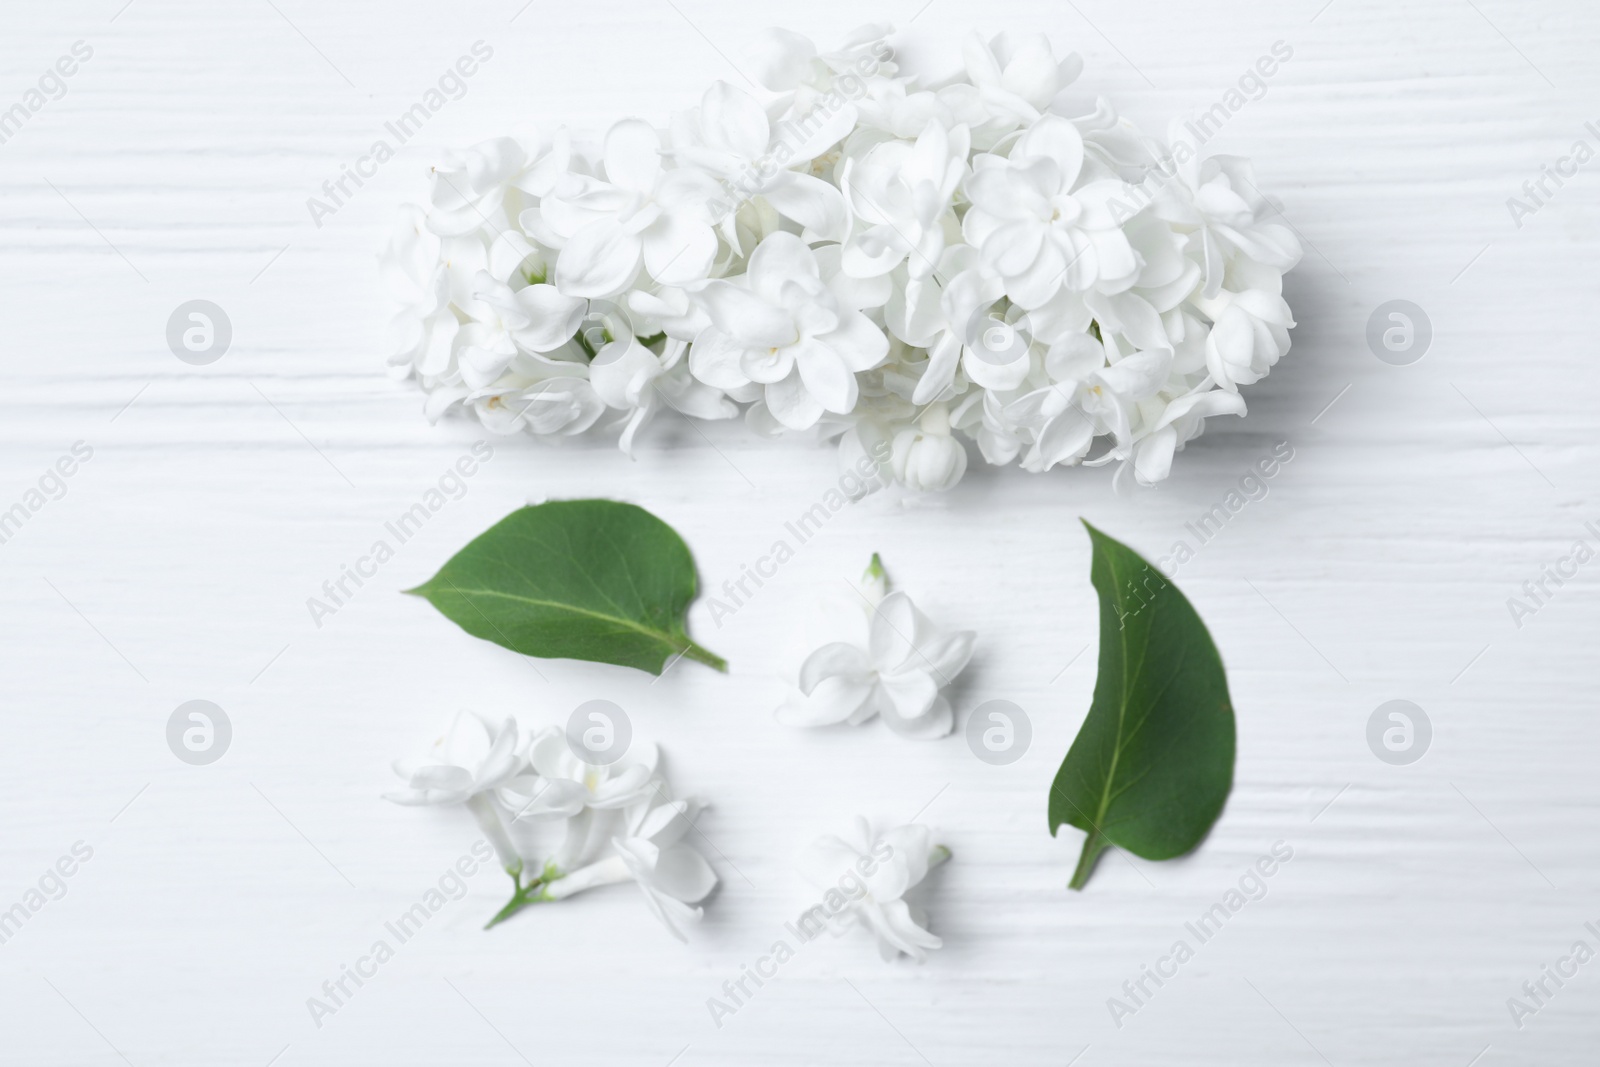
894	631
938	721
780	58
553	317
736	120
857	341
718	360
792	404
812	202
683	874
633	155
910	694
832	700
1056	139
599	260
835	659
622	371
825	374
777	260
679	249
740	313
895	928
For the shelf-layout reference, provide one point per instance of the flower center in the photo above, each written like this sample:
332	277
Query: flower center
1065	209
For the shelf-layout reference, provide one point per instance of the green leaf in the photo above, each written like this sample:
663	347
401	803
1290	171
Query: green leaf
1153	762
575	579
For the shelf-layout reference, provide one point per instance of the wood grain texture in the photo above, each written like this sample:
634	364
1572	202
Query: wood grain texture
219	498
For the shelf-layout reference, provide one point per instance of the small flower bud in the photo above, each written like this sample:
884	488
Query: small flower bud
927	458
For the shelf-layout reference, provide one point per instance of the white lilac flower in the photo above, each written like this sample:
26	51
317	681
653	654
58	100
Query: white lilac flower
900	258
465	766
618	822
1019	74
671	875
888	659
648	849
1215	204
639	214
561	784
553	401
1086	396
628	375
423	329
730	137
900	193
1178	421
1043	220
1250	332
818	90
619	827
533	319
473	756
782	327
866	877
469	186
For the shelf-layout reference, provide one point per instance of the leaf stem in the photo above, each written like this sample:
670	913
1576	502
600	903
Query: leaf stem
1093	845
706	656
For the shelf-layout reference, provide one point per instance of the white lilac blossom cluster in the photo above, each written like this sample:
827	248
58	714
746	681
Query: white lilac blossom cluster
619	823
875	653
866	253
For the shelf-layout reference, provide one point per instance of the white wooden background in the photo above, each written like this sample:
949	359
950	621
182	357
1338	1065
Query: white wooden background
219	498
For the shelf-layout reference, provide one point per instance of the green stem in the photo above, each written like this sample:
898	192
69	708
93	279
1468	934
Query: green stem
706	656
522	895
522	898
1093	845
